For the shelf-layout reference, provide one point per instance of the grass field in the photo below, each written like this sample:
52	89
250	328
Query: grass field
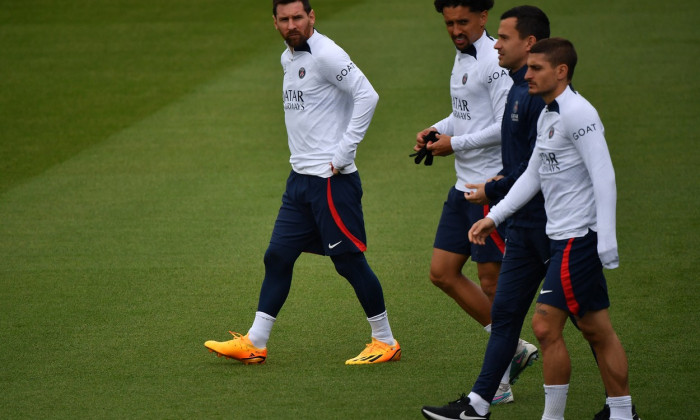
142	160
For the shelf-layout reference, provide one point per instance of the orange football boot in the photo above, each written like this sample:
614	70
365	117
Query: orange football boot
377	352
240	348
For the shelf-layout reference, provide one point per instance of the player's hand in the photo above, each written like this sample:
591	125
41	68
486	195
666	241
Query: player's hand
423	152
495	178
477	195
420	138
442	147
334	170
481	230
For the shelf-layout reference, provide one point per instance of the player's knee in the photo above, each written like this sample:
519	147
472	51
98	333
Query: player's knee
502	313
439	278
488	286
544	331
347	264
596	334
488	278
278	256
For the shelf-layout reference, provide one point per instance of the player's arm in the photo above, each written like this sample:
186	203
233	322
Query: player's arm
589	140
526	187
344	74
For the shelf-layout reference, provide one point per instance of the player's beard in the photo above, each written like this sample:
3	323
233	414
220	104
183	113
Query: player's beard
295	39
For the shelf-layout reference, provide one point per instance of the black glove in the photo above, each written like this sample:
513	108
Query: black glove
424	152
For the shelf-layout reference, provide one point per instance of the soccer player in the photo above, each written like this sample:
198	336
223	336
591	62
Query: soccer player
328	104
527	250
472	132
571	166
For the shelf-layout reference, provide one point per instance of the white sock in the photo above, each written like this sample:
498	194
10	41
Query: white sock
259	332
555	401
488	328
480	405
620	407
381	329
506	376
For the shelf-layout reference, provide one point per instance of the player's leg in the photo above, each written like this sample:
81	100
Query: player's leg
446	273
597	329
384	347
488	278
523	268
555	303
548	324
340	222
355	269
451	250
293	229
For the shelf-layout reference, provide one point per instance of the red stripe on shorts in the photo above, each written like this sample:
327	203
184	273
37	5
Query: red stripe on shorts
495	236
566	280
339	222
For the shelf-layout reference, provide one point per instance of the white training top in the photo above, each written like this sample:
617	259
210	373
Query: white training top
571	165
328	105
479	87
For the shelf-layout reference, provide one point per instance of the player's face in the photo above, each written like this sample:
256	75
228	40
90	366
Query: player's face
294	24
542	77
464	26
512	50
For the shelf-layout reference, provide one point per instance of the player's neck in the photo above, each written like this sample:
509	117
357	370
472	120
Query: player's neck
550	96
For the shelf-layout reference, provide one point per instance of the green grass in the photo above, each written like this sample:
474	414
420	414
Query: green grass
142	161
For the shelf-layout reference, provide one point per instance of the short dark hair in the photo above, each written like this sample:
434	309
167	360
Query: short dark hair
531	21
473	5
557	51
275	3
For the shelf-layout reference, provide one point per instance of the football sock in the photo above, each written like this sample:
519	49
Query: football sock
480	405
488	328
620	407
555	401
381	330
259	333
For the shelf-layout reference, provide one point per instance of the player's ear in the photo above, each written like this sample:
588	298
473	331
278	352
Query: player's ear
530	42
483	17
562	72
312	17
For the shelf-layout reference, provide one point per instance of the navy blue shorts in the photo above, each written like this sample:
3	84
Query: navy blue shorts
458	216
321	215
575	281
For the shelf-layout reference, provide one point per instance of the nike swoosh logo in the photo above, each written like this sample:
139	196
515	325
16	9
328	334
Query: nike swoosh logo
543	292
331	246
464	416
